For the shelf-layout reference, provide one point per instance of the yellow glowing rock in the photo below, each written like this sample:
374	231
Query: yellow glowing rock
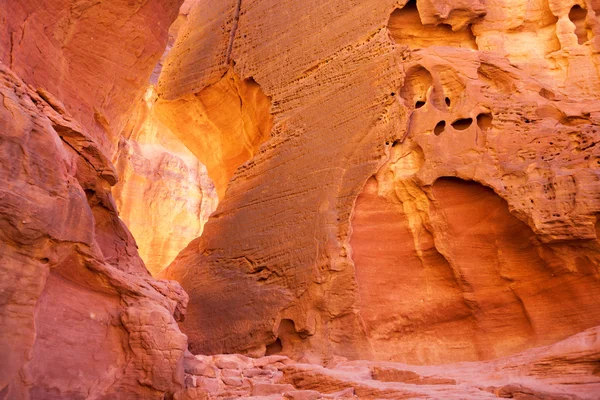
164	194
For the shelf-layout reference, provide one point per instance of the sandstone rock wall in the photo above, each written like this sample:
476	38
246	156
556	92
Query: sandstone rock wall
339	237
92	55
81	316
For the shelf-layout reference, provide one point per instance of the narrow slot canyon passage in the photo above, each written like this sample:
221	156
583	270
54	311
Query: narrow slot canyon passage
299	200
176	157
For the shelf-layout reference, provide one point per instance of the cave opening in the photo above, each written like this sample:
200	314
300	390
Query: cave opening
578	15
274	348
484	121
462	124
439	128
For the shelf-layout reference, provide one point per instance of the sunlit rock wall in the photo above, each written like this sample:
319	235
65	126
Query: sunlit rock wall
429	190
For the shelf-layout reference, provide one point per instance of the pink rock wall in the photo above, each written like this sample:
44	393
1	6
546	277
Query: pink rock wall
81	316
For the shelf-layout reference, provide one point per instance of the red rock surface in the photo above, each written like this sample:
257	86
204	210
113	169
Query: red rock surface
81	316
92	55
340	238
407	183
564	371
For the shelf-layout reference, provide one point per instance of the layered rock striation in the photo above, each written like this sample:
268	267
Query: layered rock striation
429	191
404	182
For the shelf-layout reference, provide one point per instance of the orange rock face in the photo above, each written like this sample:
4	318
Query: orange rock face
223	124
222	118
429	192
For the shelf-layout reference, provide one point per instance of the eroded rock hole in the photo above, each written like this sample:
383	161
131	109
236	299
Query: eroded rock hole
462	124
417	82
578	15
447	101
484	121
439	128
405	27
274	348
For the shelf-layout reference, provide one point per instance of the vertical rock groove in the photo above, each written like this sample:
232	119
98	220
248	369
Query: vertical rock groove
234	26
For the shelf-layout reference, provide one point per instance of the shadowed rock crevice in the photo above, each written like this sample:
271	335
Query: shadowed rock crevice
578	17
274	348
287	340
406	28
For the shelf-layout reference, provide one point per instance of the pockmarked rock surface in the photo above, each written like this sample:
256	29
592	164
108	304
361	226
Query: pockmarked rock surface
430	189
81	316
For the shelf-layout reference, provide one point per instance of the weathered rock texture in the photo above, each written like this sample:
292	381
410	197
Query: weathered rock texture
565	371
430	190
220	117
80	315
